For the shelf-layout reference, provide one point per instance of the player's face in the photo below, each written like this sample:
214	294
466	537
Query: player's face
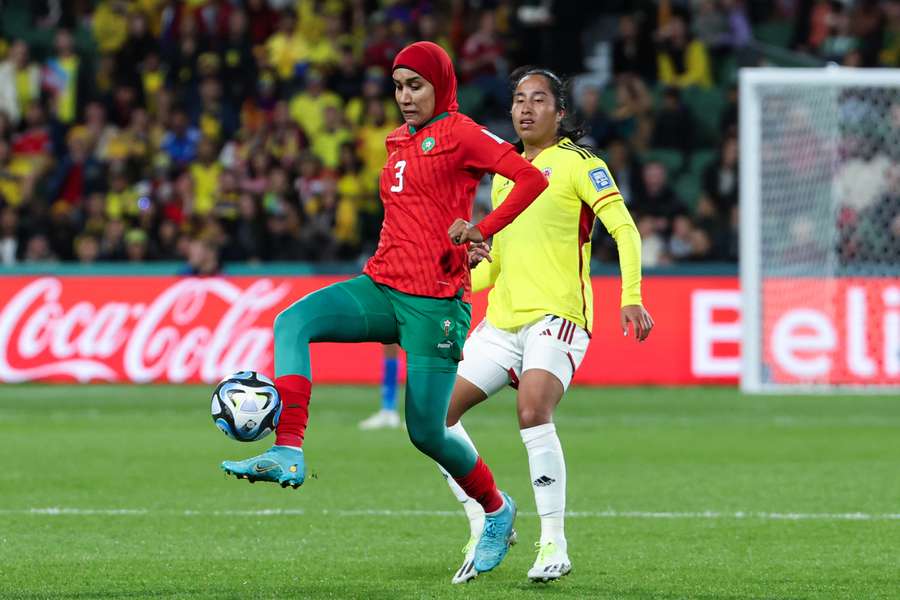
534	111
415	96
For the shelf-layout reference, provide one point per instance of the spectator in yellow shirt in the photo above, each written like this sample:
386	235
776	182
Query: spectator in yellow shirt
16	179
121	199
326	144
373	88
351	190
371	138
308	106
287	49
682	61
284	140
205	176
322	43
152	80
63	76
110	25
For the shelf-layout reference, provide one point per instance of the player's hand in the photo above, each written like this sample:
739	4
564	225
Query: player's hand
462	231
639	318
479	251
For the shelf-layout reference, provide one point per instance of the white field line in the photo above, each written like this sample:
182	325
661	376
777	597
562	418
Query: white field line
604	514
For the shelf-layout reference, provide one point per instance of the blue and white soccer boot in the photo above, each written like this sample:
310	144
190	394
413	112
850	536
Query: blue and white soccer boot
496	538
279	464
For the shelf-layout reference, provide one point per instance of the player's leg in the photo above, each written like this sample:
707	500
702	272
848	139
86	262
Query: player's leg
432	332
483	371
465	394
548	364
427	397
387	416
351	311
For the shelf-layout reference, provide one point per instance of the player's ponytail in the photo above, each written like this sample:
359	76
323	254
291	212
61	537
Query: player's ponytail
569	126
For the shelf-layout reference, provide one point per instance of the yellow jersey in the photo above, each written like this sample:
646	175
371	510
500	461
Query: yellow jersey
206	186
541	261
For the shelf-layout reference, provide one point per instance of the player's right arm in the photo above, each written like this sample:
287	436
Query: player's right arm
483	151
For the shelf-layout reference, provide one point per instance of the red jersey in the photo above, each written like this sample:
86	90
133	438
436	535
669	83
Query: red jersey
428	182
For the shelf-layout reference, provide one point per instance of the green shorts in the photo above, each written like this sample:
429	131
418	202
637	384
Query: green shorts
430	328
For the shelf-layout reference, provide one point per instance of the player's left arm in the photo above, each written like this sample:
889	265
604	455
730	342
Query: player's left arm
486	152
596	187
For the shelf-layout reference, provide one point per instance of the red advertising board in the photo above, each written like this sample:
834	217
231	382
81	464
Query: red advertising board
168	329
832	331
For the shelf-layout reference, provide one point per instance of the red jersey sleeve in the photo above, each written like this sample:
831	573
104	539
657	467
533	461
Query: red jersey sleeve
529	183
481	150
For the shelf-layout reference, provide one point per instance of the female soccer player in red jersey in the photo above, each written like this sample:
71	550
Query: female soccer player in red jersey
415	289
540	310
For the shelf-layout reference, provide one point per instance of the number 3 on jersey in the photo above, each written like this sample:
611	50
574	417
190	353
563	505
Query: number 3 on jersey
400	165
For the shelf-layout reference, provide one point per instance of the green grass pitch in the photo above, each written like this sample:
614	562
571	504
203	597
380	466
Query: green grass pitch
115	492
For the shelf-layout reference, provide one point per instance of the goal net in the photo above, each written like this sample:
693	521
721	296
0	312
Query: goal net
820	229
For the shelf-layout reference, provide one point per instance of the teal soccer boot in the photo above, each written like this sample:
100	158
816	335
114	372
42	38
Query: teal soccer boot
497	536
279	464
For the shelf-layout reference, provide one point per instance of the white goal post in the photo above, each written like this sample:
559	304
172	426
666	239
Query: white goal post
820	229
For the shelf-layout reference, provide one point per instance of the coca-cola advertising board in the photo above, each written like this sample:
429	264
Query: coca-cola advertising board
168	329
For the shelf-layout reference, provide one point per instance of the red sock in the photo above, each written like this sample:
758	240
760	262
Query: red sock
294	391
479	484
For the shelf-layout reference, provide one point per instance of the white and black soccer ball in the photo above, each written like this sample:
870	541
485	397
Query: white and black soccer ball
246	406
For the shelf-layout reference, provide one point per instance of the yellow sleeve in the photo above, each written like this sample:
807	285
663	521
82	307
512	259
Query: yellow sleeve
696	67
594	183
485	274
597	188
665	71
697	70
618	222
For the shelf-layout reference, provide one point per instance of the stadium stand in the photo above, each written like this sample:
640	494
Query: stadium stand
206	131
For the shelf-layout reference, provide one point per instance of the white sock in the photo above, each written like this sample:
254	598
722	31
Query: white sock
548	478
474	512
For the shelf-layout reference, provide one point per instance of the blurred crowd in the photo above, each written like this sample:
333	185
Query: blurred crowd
253	130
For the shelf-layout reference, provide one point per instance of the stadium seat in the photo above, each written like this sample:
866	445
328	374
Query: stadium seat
726	70
673	160
706	105
470	98
699	160
688	188
608	98
776	33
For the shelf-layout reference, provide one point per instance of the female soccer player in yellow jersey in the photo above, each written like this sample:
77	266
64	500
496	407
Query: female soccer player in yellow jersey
540	310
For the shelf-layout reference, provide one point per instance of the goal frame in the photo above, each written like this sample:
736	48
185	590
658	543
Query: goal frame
750	268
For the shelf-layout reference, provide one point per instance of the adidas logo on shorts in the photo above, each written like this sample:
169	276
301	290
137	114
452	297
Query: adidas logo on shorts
545	332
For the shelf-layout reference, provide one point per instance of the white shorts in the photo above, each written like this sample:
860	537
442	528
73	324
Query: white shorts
494	358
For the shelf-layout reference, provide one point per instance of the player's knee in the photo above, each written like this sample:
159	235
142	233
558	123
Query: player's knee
424	439
532	416
295	322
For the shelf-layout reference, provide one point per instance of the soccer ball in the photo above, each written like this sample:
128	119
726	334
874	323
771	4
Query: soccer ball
246	406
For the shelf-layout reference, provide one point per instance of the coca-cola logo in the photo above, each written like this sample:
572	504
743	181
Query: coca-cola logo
194	329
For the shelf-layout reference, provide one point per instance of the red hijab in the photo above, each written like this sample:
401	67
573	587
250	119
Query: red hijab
431	62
